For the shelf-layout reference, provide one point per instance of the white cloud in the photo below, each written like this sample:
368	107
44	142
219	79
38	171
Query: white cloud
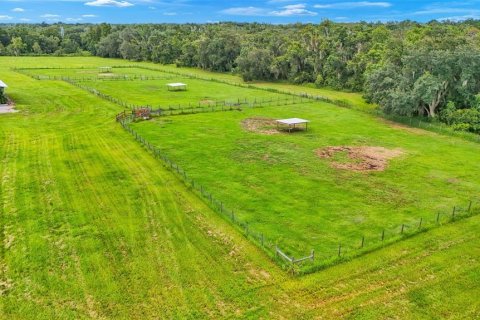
89	16
293	10
25	19
245	11
446	10
18	10
460	18
73	19
49	16
352	5
109	3
286	11
169	13
3	17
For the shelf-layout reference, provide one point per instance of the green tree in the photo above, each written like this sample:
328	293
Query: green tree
16	47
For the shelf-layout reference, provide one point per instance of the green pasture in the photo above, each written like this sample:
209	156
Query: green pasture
279	185
200	93
354	99
93	227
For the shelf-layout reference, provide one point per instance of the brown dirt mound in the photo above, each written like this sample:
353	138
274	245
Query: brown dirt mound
260	125
359	158
207	101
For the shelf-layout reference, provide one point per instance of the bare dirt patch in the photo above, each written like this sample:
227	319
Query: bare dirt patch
260	125
359	158
207	101
8	108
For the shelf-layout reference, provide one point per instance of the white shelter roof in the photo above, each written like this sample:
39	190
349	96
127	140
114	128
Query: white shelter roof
2	84
292	121
177	84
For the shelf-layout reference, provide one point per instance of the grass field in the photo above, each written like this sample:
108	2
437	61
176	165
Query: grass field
93	227
155	93
279	185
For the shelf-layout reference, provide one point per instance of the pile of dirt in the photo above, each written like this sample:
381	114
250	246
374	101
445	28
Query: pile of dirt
260	125
207	101
360	158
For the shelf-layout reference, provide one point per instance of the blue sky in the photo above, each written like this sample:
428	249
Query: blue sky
272	11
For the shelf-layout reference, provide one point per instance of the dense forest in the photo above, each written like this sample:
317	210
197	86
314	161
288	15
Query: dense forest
407	68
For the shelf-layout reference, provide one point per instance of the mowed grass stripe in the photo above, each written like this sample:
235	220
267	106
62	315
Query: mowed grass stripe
188	267
86	212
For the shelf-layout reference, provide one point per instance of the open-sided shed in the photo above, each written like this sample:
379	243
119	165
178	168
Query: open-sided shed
177	86
293	123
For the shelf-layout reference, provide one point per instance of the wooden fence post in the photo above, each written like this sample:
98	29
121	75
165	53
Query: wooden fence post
339	249
420	224
469	206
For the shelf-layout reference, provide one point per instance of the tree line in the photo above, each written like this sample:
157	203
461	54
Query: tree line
407	68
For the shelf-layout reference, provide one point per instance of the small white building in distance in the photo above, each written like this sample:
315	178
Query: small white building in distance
177	86
293	123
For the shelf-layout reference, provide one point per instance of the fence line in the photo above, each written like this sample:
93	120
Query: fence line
337	102
125	119
214	106
312	262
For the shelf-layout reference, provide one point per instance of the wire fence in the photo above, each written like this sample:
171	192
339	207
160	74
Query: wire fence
338	102
200	107
316	260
